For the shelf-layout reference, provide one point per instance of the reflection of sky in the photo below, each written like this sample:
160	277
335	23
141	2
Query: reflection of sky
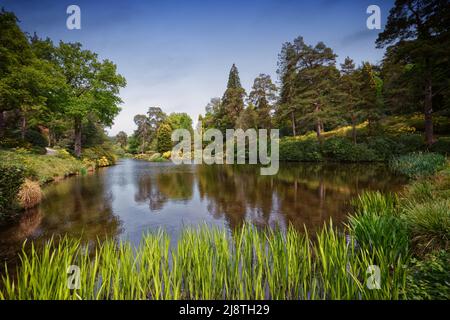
177	54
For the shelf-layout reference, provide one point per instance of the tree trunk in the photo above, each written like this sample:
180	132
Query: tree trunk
23	127
77	148
318	128
2	123
428	111
354	129
293	124
319	123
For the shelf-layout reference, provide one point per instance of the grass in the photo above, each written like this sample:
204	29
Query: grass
416	165
42	168
209	263
30	194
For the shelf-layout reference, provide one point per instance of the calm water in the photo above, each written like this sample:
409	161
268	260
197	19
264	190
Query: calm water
133	197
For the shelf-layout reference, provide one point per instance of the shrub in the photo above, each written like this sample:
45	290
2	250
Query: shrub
375	225
429	278
429	224
418	164
442	146
30	194
36	138
97	153
384	147
300	150
11	179
342	149
408	143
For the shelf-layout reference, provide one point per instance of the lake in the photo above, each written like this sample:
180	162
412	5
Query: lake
133	197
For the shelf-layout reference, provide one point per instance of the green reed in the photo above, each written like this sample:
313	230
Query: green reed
209	263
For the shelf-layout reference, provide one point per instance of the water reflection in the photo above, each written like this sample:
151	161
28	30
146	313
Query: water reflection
126	200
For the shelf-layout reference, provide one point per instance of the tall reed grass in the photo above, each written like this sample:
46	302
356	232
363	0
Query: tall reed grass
210	263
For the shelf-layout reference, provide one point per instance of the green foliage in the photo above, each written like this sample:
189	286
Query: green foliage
418	164
11	178
429	278
300	150
36	138
42	168
164	139
208	263
342	149
99	153
442	146
375	224
429	224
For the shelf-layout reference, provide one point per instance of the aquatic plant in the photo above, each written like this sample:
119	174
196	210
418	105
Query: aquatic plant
209	263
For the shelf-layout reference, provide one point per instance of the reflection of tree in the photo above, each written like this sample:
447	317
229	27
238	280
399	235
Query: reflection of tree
157	189
81	207
302	194
234	191
147	192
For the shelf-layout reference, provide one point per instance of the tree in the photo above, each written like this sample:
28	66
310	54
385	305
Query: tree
15	52
368	102
93	87
143	131
419	30
350	93
156	117
180	121
287	72
164	139
122	139
263	96
248	118
232	101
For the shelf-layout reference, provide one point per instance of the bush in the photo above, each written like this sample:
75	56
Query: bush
36	138
30	194
408	143
418	164
430	278
98	154
300	150
442	146
342	149
384	147
429	224
11	179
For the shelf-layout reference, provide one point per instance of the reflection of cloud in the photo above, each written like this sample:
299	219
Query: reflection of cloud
358	36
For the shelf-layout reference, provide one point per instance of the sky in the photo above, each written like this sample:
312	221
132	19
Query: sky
177	54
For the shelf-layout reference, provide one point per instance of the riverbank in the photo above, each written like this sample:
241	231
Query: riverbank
25	172
391	232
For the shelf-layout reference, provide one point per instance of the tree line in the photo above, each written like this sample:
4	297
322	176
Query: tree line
57	92
313	93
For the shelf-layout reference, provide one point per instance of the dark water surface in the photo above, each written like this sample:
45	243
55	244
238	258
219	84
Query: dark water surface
134	197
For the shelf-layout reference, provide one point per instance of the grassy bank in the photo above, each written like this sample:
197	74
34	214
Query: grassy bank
23	172
42	168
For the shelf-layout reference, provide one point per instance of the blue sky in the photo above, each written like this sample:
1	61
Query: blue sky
177	54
